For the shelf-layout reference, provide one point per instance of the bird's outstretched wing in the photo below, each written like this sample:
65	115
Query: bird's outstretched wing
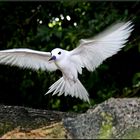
27	58
92	52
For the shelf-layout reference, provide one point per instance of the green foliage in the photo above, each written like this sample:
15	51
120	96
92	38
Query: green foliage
47	25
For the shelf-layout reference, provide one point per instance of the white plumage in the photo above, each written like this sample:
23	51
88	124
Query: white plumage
89	54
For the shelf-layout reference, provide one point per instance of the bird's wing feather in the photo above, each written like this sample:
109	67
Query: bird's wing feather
92	52
27	58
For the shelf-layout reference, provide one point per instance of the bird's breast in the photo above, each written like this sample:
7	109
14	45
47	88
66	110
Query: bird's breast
67	69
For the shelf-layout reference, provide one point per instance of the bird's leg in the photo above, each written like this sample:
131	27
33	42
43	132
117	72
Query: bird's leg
70	79
74	80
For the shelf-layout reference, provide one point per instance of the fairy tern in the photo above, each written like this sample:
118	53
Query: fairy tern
89	54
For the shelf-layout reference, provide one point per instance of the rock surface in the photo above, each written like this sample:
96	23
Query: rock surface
22	122
114	118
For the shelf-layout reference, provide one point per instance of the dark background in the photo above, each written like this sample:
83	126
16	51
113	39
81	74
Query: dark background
35	25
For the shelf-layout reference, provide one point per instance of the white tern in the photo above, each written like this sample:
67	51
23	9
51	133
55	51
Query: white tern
90	53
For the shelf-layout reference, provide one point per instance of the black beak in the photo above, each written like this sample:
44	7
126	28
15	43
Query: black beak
52	58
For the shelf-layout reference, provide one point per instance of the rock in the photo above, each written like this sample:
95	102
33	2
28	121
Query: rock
114	118
22	122
55	130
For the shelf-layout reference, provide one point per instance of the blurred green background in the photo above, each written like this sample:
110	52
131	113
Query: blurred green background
46	25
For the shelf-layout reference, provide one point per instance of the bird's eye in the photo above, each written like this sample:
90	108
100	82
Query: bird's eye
59	53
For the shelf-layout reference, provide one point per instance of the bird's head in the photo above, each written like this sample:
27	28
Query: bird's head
57	54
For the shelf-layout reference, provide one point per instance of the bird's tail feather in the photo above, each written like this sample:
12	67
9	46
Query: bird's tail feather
69	87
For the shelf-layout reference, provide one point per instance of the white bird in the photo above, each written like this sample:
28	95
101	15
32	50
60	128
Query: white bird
89	54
